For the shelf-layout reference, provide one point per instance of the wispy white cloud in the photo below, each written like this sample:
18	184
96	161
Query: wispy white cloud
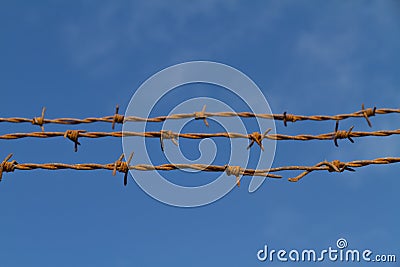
342	55
206	27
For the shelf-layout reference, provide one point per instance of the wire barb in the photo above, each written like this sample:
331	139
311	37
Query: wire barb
288	117
73	135
201	115
257	138
368	113
39	120
234	170
167	135
117	118
122	166
341	134
7	166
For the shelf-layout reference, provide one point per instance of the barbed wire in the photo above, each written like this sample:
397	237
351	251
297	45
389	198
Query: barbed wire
124	167
237	171
254	137
202	115
338	166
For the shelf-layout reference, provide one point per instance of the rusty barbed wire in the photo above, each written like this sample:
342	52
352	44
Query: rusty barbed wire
338	166
254	137
124	167
202	115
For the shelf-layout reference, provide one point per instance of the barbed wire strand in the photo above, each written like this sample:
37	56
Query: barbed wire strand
338	166
202	115
254	137
124	167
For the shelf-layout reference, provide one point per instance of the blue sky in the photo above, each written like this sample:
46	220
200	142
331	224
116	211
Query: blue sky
80	59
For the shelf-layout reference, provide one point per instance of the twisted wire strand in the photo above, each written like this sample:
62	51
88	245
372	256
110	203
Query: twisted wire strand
158	134
124	167
138	167
285	117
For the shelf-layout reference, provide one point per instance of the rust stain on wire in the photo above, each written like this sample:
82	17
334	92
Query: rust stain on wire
124	167
203	115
